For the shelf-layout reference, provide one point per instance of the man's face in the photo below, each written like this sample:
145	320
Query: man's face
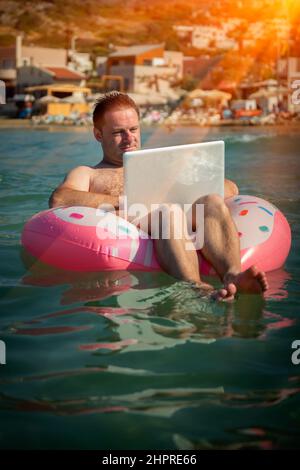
119	133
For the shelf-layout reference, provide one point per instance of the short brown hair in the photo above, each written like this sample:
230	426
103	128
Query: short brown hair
112	100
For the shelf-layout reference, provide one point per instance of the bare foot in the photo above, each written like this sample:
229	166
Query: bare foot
216	294
251	281
226	294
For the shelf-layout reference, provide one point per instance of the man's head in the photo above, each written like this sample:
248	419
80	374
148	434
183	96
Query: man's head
116	126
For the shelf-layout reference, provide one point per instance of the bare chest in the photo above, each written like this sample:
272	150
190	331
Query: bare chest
108	181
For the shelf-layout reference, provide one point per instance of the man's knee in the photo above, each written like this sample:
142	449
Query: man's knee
231	189
212	201
214	205
166	220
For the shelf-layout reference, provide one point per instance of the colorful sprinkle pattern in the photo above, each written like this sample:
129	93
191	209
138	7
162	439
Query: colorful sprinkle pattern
253	227
76	215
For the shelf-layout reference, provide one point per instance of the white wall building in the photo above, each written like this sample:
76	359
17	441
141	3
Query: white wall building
146	68
204	37
80	61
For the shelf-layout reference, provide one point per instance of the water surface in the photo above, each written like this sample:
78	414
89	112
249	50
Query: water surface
137	360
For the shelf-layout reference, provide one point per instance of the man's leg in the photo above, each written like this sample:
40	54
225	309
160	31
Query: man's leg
171	241
222	249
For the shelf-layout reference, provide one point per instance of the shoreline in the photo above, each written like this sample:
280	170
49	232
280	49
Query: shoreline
28	124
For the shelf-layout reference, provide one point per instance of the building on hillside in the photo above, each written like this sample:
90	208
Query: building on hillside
207	37
288	72
31	75
40	56
80	61
8	71
145	68
30	65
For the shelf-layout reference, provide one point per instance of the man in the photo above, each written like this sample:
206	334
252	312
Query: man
116	127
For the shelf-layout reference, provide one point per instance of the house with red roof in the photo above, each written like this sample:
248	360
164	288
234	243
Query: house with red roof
22	66
32	75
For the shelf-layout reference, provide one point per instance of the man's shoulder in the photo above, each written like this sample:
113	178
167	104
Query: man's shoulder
82	169
78	173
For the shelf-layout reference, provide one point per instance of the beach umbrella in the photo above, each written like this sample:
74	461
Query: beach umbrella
213	95
263	93
218	95
75	98
23	97
48	99
197	93
271	82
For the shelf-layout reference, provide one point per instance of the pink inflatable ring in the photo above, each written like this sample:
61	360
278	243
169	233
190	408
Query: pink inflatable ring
87	239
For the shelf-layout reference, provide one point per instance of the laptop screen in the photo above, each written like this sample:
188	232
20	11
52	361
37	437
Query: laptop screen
179	174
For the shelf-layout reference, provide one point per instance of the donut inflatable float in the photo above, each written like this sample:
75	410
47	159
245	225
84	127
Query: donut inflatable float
90	240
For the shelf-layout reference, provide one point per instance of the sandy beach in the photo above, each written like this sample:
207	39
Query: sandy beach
28	124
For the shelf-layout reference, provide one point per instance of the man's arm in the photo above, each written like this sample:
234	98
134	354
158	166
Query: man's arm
74	191
230	189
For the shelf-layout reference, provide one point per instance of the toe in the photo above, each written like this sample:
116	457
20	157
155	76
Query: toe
262	279
219	294
231	289
224	295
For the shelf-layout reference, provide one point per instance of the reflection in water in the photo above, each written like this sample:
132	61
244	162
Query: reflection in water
83	286
62	407
167	402
277	284
116	346
48	330
164	403
141	312
183	443
156	311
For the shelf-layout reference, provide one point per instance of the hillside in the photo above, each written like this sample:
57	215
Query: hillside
97	24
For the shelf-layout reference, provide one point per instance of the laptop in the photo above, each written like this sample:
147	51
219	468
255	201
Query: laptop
179	174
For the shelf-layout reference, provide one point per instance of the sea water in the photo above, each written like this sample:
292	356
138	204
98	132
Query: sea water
138	360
